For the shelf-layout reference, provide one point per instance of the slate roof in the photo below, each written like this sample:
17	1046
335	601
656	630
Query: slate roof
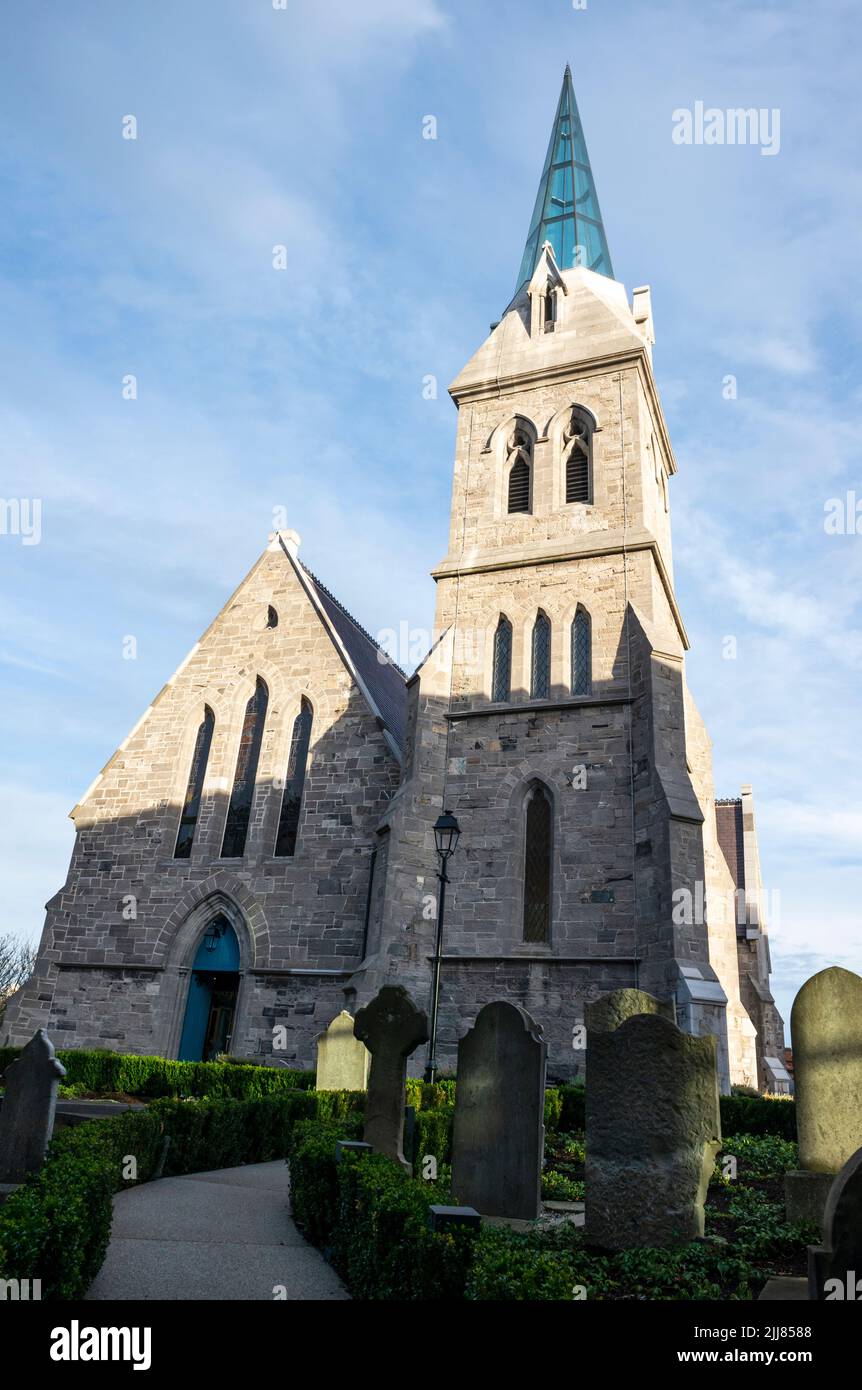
385	681
728	824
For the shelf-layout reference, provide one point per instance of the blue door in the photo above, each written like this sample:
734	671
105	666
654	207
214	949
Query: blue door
212	993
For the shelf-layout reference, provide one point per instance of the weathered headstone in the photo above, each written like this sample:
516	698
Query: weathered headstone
653	1130
27	1116
835	1267
610	1010
826	1031
499	1136
391	1027
342	1060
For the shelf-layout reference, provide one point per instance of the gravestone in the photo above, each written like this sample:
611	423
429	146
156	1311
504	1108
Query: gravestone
342	1060
499	1137
826	1032
27	1116
652	1132
610	1010
391	1027
839	1258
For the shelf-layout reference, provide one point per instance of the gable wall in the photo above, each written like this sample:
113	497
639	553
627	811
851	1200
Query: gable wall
300	913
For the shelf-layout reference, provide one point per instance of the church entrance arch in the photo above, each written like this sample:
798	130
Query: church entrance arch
210	1012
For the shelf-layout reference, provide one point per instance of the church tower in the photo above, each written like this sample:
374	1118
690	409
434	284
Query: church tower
552	717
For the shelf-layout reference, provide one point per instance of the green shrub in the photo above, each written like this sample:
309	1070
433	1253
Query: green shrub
433	1135
424	1095
337	1105
701	1270
573	1111
762	1232
557	1187
90	1070
759	1155
314	1176
552	1265
56	1226
758	1115
371	1219
553	1109
382	1246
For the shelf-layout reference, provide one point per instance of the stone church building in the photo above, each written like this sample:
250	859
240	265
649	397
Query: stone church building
258	854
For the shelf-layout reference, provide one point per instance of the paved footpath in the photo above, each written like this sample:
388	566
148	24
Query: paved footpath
221	1235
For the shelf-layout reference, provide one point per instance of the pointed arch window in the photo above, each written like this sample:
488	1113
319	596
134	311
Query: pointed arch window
582	653
519	466
540	668
291	802
194	789
550	309
577	446
501	681
538	846
239	809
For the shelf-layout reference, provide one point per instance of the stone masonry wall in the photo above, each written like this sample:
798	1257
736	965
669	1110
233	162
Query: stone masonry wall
301	913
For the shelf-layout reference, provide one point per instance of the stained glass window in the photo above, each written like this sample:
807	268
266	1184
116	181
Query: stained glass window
501	684
192	803
239	810
540	679
537	866
291	802
582	676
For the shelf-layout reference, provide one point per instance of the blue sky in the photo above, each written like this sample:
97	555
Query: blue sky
302	389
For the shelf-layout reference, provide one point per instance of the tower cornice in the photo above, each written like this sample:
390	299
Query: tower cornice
586	547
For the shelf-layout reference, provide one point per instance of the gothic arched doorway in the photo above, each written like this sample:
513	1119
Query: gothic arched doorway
211	1004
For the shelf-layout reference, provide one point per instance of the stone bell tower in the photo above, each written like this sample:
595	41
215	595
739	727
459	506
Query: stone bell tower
552	718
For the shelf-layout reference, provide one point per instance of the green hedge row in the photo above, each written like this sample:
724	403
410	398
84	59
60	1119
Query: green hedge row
371	1220
757	1115
156	1077
564	1114
57	1225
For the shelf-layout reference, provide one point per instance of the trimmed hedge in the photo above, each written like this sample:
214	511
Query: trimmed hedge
57	1225
758	1115
739	1114
425	1095
433	1135
157	1077
371	1220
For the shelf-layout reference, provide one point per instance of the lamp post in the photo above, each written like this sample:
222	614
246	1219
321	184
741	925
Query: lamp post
213	936
446	835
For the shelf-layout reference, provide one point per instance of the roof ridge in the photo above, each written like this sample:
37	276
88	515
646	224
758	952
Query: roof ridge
365	633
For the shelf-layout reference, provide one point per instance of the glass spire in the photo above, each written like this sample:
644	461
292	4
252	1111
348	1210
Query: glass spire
567	207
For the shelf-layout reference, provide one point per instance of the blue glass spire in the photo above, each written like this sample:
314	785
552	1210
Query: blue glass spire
567	207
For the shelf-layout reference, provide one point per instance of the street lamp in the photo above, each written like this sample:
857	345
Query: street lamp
447	832
213	936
